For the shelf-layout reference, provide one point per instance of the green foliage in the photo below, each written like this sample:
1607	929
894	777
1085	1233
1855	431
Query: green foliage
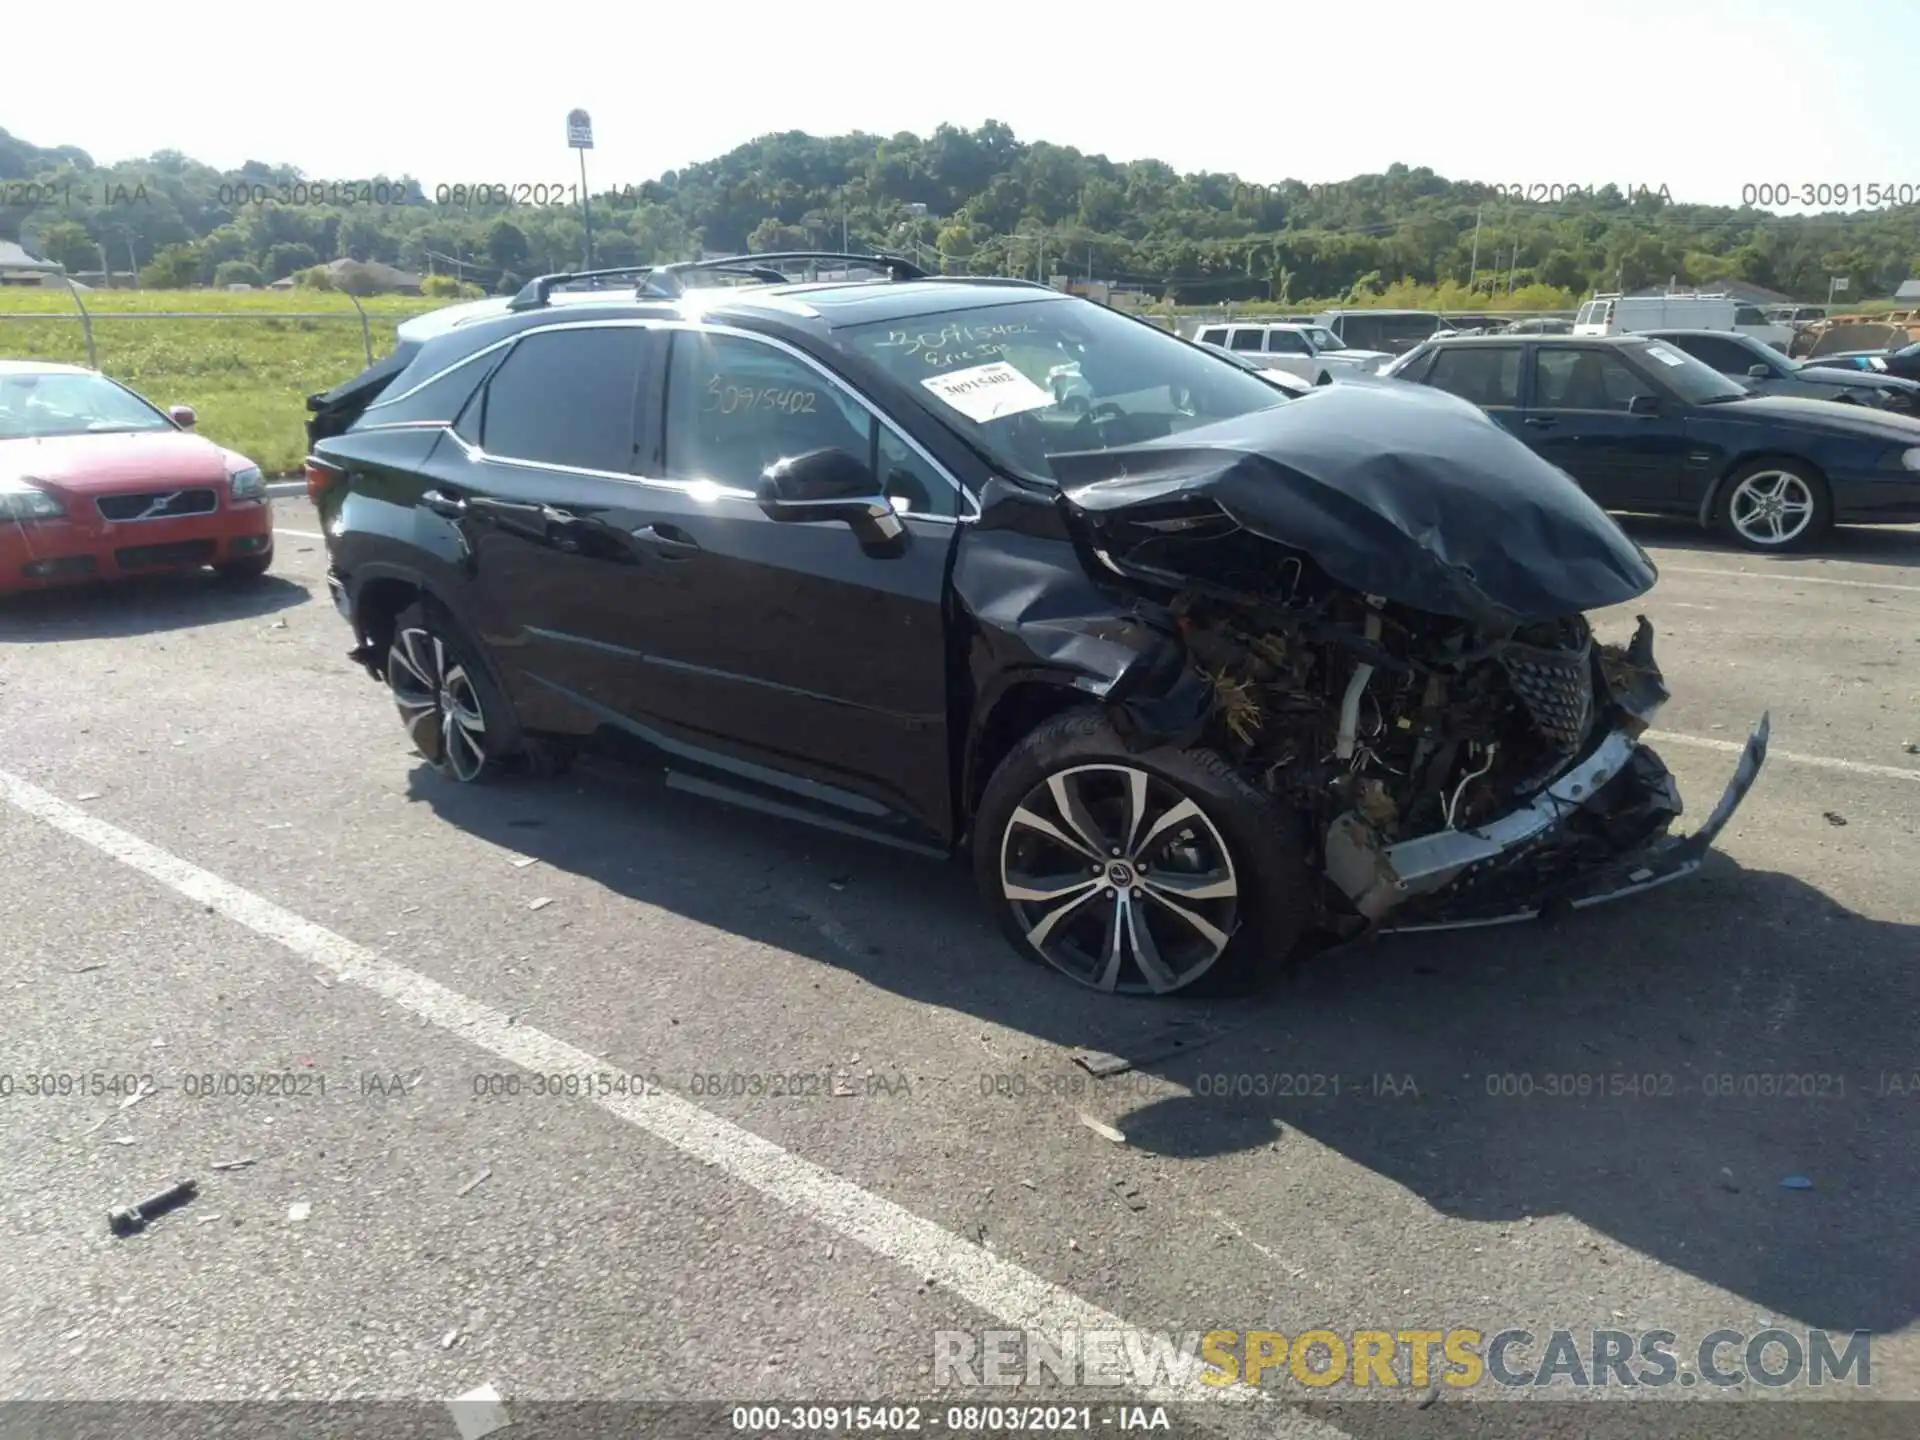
237	272
446	287
978	200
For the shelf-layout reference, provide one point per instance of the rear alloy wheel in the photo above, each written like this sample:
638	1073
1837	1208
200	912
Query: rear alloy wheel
444	697
1776	505
1137	874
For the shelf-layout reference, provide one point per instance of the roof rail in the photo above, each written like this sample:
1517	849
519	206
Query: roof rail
535	292
665	279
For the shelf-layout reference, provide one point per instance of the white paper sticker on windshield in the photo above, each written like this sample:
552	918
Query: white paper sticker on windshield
1666	356
988	392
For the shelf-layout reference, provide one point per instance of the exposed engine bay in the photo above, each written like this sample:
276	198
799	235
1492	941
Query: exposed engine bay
1374	605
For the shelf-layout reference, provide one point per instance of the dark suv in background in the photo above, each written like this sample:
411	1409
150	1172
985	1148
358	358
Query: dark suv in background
1195	673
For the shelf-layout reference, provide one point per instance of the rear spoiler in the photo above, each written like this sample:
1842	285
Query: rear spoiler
332	411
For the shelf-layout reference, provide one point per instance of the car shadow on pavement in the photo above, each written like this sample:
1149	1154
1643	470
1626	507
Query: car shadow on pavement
1895	545
145	606
1654	1069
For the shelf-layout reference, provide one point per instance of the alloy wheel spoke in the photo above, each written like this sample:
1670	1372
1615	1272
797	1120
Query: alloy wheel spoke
1026	817
1045	889
1067	800
1146	954
1205	927
1037	936
407	657
1208	885
1136	809
1113	944
1181	813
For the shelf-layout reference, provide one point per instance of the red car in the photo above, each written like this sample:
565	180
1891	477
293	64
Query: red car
96	483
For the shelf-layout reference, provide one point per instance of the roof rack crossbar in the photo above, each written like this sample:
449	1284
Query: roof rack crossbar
535	292
665	279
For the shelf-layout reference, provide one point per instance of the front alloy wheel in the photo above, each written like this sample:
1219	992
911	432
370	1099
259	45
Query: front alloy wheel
439	703
1119	880
1775	506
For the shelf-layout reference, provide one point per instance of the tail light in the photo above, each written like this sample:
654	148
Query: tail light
321	477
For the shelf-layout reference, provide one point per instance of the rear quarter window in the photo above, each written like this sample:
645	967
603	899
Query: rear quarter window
420	396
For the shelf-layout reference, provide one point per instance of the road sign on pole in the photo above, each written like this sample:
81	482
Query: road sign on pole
580	137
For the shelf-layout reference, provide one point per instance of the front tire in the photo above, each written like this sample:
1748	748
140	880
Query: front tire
456	717
1772	506
1148	873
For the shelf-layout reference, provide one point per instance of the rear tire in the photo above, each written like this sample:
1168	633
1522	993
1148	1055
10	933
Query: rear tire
455	715
1198	883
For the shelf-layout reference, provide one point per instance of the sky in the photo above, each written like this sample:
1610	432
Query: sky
1703	97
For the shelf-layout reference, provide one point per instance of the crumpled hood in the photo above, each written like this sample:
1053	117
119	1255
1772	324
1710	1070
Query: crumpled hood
1392	489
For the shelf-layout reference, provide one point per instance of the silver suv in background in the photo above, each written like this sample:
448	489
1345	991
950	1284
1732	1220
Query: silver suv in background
1312	352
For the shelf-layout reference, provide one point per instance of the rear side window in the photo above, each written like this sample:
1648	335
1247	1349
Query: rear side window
420	399
1245	340
567	397
1215	336
1484	374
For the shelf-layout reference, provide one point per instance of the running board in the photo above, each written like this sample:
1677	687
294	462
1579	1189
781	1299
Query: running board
711	790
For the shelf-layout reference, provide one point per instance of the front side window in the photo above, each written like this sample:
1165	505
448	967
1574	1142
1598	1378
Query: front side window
1484	374
1574	379
1323	339
567	397
40	404
736	406
1245	340
990	373
1286	342
1215	336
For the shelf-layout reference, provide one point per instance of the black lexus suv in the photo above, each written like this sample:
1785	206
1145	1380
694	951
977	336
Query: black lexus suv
1198	675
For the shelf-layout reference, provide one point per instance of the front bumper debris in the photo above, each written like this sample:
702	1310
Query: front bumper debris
1598	832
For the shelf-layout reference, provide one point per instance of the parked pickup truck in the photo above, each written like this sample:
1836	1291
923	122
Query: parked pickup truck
1312	352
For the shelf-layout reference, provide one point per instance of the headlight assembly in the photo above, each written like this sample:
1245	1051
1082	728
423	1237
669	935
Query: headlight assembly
248	484
23	500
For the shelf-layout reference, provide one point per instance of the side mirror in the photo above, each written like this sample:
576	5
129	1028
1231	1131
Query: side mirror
829	485
1644	405
183	416
1759	372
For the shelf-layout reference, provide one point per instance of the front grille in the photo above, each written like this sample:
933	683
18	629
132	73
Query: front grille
1556	686
181	552
157	505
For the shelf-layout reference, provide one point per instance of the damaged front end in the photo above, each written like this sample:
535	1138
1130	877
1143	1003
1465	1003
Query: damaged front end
1420	682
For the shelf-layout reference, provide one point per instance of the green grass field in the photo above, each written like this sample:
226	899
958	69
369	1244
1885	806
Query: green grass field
246	373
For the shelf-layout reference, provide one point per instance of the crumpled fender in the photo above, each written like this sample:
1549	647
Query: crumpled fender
1028	618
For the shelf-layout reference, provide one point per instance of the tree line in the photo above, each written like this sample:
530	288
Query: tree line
962	199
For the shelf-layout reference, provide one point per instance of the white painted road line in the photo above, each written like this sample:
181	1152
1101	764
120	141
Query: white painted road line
1015	1296
1785	578
1823	762
303	534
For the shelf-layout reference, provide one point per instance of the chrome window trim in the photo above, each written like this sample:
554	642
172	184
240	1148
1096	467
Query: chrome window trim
969	511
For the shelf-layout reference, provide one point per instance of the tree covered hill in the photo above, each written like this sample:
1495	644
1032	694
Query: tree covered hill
976	199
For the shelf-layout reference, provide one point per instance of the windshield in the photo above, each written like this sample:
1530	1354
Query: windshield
1040	378
36	405
1695	381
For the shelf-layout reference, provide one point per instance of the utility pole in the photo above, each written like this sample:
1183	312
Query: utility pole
580	137
1473	265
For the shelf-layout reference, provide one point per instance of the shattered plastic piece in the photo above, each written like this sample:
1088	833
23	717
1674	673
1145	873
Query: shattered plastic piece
1129	1195
1101	1064
123	1140
130	1219
485	1172
88	795
539	904
299	1211
521	862
1834	817
450	1339
1796	1182
478	1413
1101	1128
240	1164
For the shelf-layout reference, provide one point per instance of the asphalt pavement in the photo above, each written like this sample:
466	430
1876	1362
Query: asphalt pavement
589	1089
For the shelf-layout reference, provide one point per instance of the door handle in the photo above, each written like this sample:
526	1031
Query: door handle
1540	422
667	541
444	504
